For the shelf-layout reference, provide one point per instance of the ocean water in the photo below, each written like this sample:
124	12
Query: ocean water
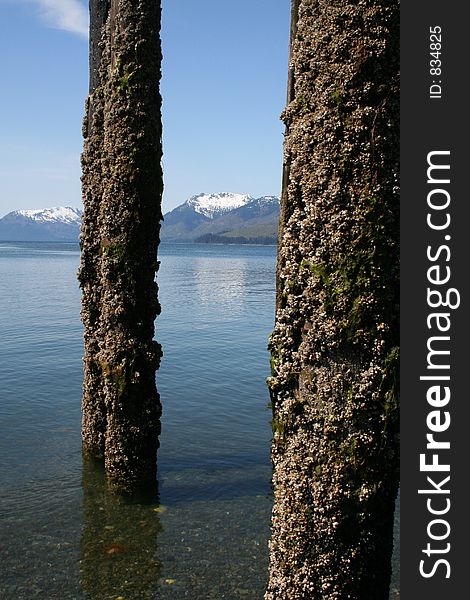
63	535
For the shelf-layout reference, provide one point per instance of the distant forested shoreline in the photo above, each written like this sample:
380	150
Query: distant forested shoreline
212	238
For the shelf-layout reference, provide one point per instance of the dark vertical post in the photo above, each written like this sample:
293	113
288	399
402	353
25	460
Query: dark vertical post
334	349
122	189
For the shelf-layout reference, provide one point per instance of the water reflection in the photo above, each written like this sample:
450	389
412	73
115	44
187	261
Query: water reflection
221	282
118	546
64	536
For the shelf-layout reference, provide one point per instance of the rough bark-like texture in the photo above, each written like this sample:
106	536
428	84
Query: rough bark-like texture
122	188
334	349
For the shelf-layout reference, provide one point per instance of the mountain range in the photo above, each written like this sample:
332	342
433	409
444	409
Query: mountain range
60	224
221	218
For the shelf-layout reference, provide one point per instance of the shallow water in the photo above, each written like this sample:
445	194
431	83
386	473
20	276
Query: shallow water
203	534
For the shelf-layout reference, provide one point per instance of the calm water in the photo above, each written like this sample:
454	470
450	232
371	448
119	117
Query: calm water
63	535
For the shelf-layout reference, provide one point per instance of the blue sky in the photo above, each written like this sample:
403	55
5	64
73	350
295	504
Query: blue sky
224	86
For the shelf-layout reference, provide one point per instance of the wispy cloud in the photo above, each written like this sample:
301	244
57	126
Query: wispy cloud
68	15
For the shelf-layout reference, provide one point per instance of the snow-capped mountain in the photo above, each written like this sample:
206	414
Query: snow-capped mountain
222	214
61	223
59	214
213	205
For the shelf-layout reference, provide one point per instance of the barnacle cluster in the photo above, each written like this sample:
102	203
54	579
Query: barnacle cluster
122	188
334	348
